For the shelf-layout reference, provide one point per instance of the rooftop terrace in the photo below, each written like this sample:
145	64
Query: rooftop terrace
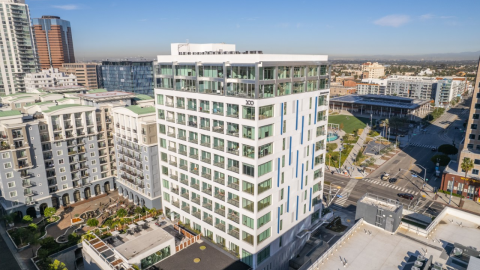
382	100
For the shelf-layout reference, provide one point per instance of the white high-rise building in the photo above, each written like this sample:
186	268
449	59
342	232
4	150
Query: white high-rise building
241	144
19	55
48	78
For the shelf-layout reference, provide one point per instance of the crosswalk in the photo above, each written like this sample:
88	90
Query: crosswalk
346	192
423	145
386	184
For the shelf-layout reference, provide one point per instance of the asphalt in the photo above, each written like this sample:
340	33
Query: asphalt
407	167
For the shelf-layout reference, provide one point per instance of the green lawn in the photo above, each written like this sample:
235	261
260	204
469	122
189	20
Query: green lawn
350	124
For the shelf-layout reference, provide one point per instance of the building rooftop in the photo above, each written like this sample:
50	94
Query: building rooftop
380	249
142	97
380	202
93	91
382	100
21	97
41	103
212	258
139	243
61	89
141	110
9	113
16	94
59	107
104	95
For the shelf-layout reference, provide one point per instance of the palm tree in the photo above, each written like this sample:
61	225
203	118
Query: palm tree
467	165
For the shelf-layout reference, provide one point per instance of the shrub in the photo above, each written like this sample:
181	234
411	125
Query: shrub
57	265
33	227
48	243
448	149
92	222
121	212
27	219
49	212
442	159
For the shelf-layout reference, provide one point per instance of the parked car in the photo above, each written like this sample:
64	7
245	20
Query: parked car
406	196
393	180
385	177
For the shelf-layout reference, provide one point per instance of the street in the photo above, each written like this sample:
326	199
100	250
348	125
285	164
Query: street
407	167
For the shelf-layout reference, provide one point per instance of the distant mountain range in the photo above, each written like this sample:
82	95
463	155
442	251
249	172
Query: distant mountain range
427	57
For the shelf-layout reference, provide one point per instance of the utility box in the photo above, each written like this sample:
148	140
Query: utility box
381	212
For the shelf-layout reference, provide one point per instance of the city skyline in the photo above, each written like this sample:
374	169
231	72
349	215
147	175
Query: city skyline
349	32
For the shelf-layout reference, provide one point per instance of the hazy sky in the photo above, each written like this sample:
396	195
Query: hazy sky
116	28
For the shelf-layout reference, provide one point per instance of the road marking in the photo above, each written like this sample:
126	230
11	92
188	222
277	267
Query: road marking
346	192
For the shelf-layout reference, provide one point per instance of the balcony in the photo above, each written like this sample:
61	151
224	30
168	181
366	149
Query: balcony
173	163
219	147
196	200
235	233
181	137
195	186
207	205
233	217
169	104
220	226
233	151
206	144
181	121
220	164
170	119
220	181
26	175
192	124
197	214
233	186
233	202
28	183
193	140
172	148
176	204
29	193
184	167
206	160
174	177
185	195
220	211
207	191
182	152
233	169
184	181
218	129
186	208
208	220
220	196
207	128
175	190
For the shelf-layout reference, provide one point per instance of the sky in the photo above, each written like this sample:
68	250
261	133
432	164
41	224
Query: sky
120	28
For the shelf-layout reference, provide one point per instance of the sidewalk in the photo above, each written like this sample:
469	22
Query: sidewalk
348	164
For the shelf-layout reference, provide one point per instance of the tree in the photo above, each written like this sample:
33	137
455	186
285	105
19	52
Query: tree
443	160
341	126
33	227
57	265
93	222
467	165
138	210
27	219
448	149
121	212
49	212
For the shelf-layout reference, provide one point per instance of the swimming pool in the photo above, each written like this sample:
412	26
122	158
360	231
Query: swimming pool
332	137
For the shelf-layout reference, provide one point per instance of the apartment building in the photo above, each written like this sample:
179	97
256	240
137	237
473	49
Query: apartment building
18	46
48	78
87	73
55	156
134	76
53	37
242	145
454	179
137	155
420	88
368	89
372	70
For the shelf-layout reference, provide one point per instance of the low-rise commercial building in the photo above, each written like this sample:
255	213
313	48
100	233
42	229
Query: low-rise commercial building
383	106
86	73
372	70
48	78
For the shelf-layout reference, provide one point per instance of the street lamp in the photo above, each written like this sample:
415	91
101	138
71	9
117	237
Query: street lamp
425	174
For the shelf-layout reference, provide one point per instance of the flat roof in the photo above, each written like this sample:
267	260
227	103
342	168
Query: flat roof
378	202
100	90
241	58
212	258
384	250
9	113
141	110
59	107
144	241
382	100
106	95
63	87
142	97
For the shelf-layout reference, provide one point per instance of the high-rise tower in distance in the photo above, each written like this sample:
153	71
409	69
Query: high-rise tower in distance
53	37
17	45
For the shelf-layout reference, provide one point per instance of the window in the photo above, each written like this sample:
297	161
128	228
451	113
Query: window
248	113
249	132
473	126
7	165
59	153
9	175
265	150
165	184
63	178
263	220
248	169
283	72
65	186
62	170
471	136
92	154
248	205
94	162
264	203
264	186
160	99
265	132
476	116
58	144
91	146
477	106
264	168
470	146
265	112
94	169
6	155
475	171
248	222
60	161
477	161
247	237
263	254
262	236
13	194
161	129
247	257
11	184
248	187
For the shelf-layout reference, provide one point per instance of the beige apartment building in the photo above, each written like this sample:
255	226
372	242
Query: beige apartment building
86	73
372	70
453	179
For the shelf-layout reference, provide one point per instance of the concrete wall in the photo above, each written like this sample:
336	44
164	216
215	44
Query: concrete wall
369	213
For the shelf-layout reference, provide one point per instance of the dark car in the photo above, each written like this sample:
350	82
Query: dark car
392	180
406	196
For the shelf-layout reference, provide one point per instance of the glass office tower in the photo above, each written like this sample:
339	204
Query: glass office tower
129	76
